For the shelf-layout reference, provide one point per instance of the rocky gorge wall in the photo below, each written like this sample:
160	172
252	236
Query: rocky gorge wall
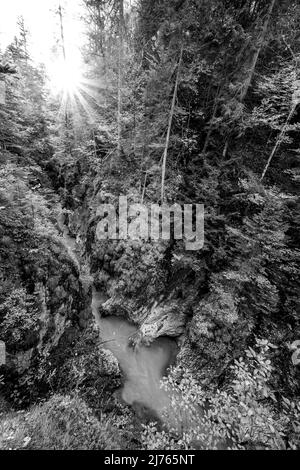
152	285
43	302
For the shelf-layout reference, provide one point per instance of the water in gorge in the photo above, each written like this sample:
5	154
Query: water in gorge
143	367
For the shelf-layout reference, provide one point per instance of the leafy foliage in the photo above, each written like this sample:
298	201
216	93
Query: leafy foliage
235	106
241	416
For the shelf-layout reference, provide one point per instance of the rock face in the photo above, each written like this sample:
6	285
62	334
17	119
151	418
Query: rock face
144	282
137	278
39	314
164	319
62	304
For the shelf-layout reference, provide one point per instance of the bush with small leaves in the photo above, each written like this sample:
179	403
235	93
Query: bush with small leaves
19	316
65	423
243	415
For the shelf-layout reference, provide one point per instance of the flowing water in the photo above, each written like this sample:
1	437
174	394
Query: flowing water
143	367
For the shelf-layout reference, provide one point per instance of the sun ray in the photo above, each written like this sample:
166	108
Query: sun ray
87	107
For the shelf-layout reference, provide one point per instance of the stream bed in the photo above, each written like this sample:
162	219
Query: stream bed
143	367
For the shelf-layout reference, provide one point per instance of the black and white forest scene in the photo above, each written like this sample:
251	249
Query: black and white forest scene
149	227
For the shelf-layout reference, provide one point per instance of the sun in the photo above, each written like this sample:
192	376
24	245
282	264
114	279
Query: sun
76	93
65	77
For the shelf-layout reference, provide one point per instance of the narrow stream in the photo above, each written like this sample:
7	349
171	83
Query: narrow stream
143	367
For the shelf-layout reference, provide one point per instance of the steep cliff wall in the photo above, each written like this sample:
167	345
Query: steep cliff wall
43	302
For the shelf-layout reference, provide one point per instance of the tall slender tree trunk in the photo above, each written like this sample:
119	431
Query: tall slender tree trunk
209	132
67	113
253	64
249	79
279	140
165	155
62	34
120	74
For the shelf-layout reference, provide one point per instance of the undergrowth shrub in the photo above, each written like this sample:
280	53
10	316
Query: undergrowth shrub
244	415
19	314
65	423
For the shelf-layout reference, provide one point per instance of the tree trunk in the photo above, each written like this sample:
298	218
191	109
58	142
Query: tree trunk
252	68
279	140
211	124
62	35
120	73
165	155
257	53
